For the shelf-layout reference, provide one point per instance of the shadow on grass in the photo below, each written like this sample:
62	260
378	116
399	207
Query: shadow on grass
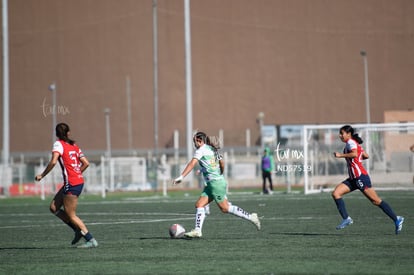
165	238
303	234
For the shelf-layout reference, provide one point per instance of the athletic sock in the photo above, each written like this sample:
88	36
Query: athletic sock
239	212
199	219
88	236
388	210
340	205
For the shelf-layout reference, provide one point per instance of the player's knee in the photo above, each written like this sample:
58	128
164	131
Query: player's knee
73	219
71	214
376	202
335	195
52	209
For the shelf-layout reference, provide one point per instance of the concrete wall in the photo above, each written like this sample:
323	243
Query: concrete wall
400	144
297	61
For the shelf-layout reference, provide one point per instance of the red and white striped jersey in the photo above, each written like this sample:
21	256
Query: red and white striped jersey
355	167
69	161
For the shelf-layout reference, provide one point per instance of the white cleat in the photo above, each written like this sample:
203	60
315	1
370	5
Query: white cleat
89	244
255	220
193	234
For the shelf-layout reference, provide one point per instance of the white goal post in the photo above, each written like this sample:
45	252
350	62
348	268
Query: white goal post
390	164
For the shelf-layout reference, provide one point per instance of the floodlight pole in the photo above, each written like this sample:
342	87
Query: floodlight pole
367	105
129	116
260	118
188	81
52	88
155	82
107	113
6	86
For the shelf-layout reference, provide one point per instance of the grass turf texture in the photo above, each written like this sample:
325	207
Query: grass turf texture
298	236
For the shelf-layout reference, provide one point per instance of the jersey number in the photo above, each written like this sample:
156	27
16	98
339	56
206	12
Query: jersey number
73	155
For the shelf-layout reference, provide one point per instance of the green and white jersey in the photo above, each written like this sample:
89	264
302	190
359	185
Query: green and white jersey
209	163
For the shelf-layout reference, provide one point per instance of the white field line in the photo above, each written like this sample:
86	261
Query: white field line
120	221
97	214
141	221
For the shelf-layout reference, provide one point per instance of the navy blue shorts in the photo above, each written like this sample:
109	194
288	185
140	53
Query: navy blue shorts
75	190
361	183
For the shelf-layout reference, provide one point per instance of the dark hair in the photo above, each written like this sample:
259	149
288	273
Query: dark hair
349	129
213	142
62	130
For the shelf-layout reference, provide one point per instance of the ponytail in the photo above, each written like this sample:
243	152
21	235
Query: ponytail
62	130
357	138
349	129
212	141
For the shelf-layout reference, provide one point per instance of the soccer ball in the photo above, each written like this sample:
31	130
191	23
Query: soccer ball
176	231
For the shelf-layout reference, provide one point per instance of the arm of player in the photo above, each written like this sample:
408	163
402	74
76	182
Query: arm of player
352	154
85	163
49	167
190	166
221	163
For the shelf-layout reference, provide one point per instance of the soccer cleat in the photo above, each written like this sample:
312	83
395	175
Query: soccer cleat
193	234
255	219
89	244
398	224
78	236
345	223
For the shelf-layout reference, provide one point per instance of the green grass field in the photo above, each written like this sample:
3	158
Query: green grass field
298	236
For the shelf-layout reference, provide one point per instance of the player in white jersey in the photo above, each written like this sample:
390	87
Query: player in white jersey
212	167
